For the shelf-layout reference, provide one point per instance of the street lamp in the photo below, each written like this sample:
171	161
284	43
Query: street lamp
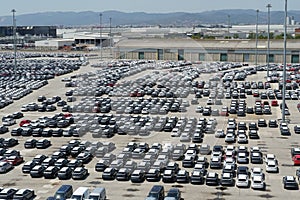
256	38
268	51
100	36
228	26
284	63
110	36
15	40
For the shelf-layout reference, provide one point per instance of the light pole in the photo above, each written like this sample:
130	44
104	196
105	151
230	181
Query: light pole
100	36
256	38
110	36
284	63
15	40
228	26
268	51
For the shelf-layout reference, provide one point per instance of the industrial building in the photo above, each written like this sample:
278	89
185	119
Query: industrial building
231	50
54	44
49	31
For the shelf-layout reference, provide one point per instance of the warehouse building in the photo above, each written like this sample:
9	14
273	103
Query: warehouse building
49	31
207	50
54	44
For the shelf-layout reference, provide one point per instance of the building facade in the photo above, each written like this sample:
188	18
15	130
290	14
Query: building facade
207	50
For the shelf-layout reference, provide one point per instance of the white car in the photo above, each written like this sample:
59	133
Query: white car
257	171
229	161
242	180
270	157
272	166
230	138
185	137
258	183
8	121
242	138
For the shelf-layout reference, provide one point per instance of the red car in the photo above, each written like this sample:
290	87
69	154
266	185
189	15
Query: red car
25	121
68	115
296	160
15	160
274	103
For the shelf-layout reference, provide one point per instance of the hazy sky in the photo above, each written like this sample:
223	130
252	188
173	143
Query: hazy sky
33	6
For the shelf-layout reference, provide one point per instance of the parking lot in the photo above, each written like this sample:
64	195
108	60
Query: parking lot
125	89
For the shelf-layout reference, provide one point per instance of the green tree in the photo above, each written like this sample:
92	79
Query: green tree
235	36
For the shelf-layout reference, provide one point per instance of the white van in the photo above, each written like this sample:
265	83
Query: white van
81	193
98	194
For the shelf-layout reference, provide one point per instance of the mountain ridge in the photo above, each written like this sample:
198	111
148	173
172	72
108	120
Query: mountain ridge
91	18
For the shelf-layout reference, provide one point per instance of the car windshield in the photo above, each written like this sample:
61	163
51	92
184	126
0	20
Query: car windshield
172	194
153	194
76	197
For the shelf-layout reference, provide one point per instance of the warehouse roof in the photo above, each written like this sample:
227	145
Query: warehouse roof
189	43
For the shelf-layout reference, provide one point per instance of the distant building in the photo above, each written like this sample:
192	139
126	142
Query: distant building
49	31
206	50
54	44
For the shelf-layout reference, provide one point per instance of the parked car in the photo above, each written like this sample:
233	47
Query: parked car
289	182
5	167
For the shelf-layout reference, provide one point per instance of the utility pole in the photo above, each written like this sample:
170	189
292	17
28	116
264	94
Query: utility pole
284	63
110	37
256	38
228	26
268	52
100	36
15	40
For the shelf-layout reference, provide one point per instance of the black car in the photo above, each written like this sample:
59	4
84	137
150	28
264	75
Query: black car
157	192
183	176
16	131
137	176
77	150
43	144
39	158
47	132
42	108
51	172
26	131
123	174
212	178
24	194
17	115
253	134
297	129
153	175
48	162
109	174
101	165
169	176
37	132
227	179
80	173
3	129
273	123
37	171
174	193
65	173
289	182
41	98
85	157
28	166
75	163
61	162
7	193
30	143
10	142
57	132
196	177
